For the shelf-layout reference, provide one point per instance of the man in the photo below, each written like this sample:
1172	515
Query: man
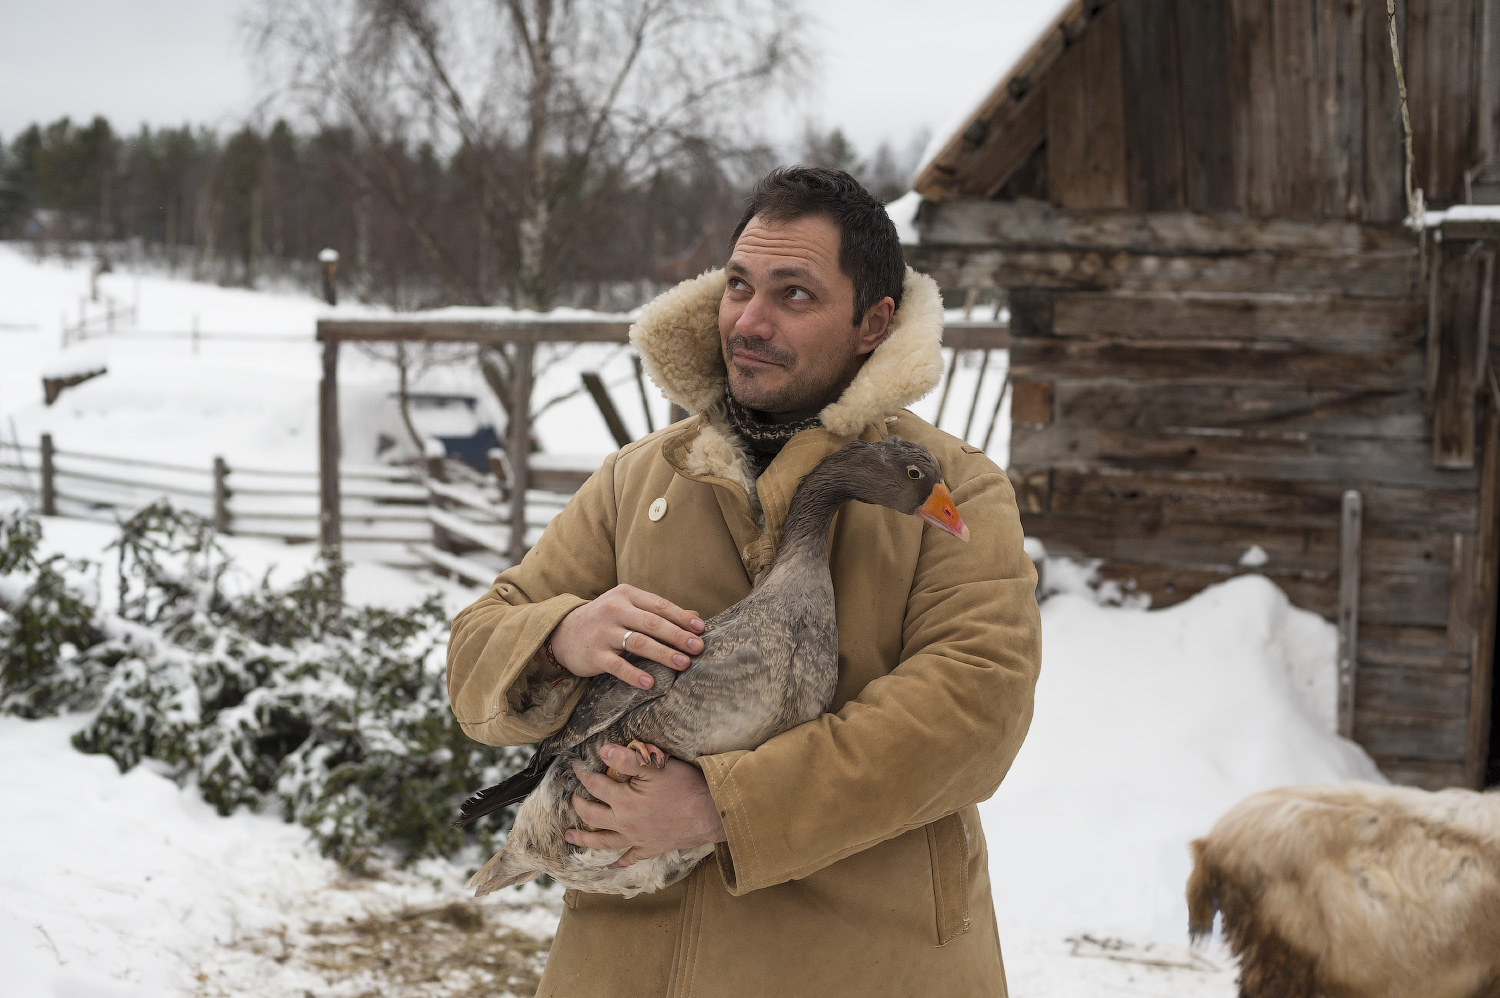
849	856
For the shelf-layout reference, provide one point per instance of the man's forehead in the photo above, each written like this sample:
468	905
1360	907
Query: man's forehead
807	246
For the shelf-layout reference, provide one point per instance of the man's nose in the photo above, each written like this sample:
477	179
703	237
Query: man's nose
755	320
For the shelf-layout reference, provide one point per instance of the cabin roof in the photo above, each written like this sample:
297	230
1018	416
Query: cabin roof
984	130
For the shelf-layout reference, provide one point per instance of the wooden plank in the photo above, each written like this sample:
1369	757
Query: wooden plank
1299	145
463	569
1207	96
1351	527
1316	459
1440	67
1217	547
606	406
1186	498
478	536
1384	159
1399	599
1260	408
1395	646
1423	773
1025	124
1038	225
1230	362
1369	275
1289	318
1486	583
1257	146
1462	595
1085	138
518	443
1418	692
963	334
1458	340
1429	738
1487	77
1340	107
475	331
1031	402
1153	113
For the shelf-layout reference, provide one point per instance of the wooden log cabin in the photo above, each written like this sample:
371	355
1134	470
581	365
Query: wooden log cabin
1222	322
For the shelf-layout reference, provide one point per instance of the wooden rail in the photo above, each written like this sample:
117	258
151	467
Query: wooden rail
389	503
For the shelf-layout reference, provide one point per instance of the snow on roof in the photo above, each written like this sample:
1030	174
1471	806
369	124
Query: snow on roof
903	212
1009	49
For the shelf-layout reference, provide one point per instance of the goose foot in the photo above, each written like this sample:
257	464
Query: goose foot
649	755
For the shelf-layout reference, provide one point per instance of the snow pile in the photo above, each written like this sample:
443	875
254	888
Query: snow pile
1149	725
129	887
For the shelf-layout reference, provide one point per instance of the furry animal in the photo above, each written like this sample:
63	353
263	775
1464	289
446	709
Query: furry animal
769	663
1355	891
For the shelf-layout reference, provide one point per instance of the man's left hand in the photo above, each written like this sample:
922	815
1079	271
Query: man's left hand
654	811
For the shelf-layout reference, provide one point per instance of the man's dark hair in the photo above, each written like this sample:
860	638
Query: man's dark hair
869	248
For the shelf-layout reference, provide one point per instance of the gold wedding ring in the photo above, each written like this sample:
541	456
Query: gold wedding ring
625	639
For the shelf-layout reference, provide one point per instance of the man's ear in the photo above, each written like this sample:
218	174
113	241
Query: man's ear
875	325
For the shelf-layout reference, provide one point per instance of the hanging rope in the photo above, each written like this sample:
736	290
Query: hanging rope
1414	206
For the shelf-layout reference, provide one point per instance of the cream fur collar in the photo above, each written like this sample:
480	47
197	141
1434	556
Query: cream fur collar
678	338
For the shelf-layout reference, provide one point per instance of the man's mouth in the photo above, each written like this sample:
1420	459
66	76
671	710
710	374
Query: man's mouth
745	357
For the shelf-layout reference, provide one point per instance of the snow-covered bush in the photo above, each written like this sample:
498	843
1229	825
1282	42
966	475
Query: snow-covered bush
280	697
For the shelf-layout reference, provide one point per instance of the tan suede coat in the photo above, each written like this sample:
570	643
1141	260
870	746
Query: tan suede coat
855	863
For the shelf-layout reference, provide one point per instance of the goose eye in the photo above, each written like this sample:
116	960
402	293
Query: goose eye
912	471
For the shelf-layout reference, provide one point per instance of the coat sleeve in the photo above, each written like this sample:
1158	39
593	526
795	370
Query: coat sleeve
494	650
931	737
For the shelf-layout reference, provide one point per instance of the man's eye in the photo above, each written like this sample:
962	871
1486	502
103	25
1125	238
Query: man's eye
799	294
735	284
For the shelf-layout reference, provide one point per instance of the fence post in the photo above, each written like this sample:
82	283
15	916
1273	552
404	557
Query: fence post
221	495
518	442
435	458
49	478
330	518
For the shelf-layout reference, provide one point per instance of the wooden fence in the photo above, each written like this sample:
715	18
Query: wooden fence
445	515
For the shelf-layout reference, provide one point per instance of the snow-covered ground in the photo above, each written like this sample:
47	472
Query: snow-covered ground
1149	724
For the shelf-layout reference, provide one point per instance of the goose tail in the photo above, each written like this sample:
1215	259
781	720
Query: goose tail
511	791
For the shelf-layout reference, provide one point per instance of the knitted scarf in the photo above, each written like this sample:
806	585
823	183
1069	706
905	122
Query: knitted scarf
764	439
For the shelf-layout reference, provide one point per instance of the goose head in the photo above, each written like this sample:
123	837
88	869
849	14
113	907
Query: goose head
903	476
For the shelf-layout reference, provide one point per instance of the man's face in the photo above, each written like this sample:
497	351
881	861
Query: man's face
784	321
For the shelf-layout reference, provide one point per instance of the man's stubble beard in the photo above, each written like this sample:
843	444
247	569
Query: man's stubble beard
791	396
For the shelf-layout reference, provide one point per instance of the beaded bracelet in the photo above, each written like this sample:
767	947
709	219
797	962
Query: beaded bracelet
552	660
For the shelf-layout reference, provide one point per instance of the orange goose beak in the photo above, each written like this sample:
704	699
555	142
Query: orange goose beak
939	511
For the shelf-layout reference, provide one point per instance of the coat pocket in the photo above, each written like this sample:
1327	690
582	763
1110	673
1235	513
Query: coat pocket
948	843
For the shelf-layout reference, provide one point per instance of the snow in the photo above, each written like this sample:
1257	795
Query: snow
127	886
1149	723
903	212
1457	213
1254	557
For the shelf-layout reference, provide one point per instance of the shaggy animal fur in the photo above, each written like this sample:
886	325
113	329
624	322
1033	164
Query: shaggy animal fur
1355	891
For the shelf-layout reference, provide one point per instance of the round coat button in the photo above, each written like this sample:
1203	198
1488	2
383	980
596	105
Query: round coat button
658	509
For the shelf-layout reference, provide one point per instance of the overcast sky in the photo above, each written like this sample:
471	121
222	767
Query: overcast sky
890	68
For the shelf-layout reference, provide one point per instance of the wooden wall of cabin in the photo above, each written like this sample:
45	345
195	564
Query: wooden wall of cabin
1267	108
1187	387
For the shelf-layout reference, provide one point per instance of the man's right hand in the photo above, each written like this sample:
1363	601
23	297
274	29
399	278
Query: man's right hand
588	641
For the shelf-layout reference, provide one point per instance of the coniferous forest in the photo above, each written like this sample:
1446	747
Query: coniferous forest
257	204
